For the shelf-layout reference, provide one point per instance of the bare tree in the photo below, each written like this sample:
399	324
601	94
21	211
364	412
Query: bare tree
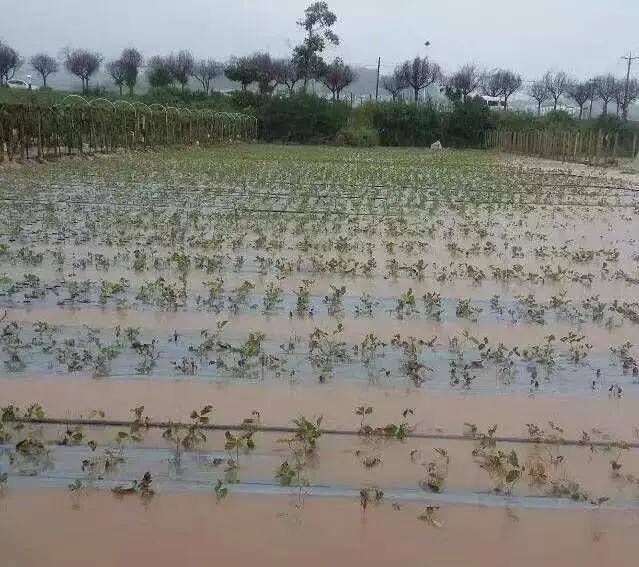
510	84
465	81
83	63
205	70
605	86
159	72
181	65
287	72
337	76
624	95
263	71
394	83
317	23
116	70
10	62
490	84
539	92
44	65
581	93
131	60
556	84
592	90
419	74
240	70
618	95
501	83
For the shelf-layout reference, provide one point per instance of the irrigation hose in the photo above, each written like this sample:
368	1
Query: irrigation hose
282	429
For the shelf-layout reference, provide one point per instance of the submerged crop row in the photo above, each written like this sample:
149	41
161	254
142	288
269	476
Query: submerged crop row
128	457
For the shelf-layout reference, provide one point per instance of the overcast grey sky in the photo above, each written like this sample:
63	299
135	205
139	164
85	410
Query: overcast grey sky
584	37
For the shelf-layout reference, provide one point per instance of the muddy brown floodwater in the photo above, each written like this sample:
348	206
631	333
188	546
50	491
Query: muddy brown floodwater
42	527
524	242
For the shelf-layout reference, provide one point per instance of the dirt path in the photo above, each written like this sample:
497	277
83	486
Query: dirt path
625	172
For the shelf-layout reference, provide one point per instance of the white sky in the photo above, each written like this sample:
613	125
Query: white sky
583	37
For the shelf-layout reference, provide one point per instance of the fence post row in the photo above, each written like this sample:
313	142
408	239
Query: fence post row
592	147
78	126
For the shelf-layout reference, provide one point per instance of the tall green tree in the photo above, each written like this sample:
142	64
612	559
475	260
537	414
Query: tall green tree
317	24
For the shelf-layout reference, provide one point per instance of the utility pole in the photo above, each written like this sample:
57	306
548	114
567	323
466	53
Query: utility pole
379	64
630	60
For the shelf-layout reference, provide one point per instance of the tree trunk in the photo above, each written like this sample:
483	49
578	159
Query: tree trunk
590	113
44	81
604	112
581	111
120	86
505	102
538	108
130	90
556	100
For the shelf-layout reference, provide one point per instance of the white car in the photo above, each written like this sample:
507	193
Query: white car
19	84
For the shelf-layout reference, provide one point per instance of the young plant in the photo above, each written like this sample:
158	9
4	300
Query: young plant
334	299
239	442
504	469
429	515
370	494
221	491
363	412
303	294
187	437
272	295
436	471
140	487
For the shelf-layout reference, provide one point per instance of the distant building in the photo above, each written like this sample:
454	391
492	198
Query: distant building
493	102
572	110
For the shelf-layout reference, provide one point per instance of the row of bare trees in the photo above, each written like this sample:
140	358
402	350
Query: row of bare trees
306	63
469	80
604	88
421	73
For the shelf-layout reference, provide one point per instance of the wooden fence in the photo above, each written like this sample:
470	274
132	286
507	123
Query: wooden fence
103	126
597	147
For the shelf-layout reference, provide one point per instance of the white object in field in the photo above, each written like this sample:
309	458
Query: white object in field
436	145
20	84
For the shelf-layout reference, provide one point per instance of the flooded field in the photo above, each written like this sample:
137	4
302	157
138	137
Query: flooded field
333	343
281	531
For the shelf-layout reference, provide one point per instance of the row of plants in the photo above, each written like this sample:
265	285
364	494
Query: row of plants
27	449
462	361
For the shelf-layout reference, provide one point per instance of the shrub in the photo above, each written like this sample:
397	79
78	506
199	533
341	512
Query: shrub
406	124
358	136
465	124
301	117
